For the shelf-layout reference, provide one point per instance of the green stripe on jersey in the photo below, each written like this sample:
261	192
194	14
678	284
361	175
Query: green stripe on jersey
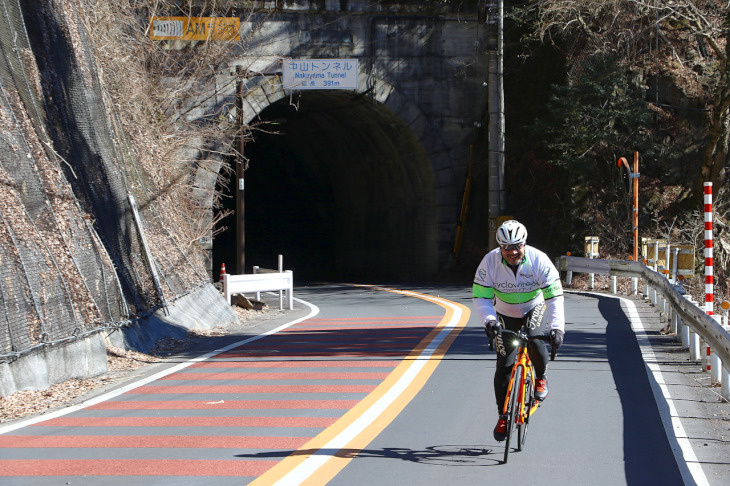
482	292
517	297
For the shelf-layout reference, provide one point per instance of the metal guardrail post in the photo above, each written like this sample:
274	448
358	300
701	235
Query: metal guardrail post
694	346
704	355
715	362
685	335
675	253
669	314
659	304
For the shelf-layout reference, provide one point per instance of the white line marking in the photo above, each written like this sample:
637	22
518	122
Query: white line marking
313	311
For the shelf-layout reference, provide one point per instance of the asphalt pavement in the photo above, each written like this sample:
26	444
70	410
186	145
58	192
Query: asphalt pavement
363	385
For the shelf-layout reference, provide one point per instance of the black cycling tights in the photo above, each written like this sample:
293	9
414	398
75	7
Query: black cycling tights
536	349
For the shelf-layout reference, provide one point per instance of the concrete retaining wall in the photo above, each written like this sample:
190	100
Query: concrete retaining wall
42	368
204	308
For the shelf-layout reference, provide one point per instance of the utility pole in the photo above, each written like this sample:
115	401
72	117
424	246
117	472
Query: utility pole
497	201
240	170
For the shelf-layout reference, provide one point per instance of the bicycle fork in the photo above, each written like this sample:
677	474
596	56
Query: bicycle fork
517	379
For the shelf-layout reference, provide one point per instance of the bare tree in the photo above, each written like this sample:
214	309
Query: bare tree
683	40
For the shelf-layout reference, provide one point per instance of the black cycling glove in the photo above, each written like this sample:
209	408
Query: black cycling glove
490	328
556	338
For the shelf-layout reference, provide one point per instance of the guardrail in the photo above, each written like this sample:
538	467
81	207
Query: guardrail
690	322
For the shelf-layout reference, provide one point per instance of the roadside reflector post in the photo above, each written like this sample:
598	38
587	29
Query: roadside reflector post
591	251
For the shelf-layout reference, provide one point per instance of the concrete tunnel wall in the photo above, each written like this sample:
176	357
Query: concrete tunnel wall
389	215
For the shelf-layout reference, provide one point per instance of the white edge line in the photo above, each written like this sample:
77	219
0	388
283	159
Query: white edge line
313	311
310	465
684	455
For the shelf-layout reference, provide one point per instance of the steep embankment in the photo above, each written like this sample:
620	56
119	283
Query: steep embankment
78	257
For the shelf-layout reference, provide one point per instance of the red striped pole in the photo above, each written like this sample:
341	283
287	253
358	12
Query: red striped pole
709	279
709	276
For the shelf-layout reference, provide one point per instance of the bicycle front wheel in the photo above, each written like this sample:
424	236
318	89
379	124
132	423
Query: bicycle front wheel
512	411
529	399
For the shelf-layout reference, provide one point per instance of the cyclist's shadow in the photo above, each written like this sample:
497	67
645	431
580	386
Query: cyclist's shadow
443	455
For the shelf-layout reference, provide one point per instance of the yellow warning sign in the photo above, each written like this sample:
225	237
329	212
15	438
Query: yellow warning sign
195	28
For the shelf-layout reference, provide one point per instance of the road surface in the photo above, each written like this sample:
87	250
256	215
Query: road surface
366	385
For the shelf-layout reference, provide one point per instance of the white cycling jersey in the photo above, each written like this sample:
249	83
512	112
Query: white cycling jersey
497	288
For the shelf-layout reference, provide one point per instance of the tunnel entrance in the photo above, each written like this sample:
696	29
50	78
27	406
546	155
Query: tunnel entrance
340	186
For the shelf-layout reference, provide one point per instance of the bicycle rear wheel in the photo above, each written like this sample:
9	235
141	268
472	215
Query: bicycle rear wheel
511	413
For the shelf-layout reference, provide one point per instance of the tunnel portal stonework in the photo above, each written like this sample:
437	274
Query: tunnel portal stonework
424	61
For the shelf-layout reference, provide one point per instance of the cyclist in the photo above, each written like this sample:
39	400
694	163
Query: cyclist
516	284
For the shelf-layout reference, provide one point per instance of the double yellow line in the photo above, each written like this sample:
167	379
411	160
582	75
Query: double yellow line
320	459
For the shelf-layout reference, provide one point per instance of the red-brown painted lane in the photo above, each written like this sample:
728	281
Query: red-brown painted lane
132	467
218	363
224	405
288	387
83	422
205	389
151	441
292	375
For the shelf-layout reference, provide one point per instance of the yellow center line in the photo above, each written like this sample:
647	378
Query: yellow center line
320	459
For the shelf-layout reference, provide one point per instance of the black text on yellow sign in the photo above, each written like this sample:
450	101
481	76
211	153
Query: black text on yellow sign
195	28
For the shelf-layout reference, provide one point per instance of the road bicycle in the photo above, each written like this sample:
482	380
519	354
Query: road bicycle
520	402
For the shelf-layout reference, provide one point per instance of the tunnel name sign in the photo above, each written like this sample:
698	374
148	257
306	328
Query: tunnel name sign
320	74
195	28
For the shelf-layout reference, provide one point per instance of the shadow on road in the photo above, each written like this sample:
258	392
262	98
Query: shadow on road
444	455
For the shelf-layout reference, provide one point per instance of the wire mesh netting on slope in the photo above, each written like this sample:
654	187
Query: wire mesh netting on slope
72	258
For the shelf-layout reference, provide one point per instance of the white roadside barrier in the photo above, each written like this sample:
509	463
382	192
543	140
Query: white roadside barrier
692	325
262	280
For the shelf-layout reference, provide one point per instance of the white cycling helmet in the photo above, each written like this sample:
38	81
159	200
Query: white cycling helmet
511	233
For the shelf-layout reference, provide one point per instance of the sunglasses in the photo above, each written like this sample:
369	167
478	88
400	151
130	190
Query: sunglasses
518	246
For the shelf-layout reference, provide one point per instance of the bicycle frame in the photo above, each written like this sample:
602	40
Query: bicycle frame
519	374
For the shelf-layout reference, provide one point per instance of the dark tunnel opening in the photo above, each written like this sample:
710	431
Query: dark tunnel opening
341	187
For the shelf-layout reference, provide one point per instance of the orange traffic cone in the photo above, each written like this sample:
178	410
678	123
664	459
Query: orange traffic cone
223	272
